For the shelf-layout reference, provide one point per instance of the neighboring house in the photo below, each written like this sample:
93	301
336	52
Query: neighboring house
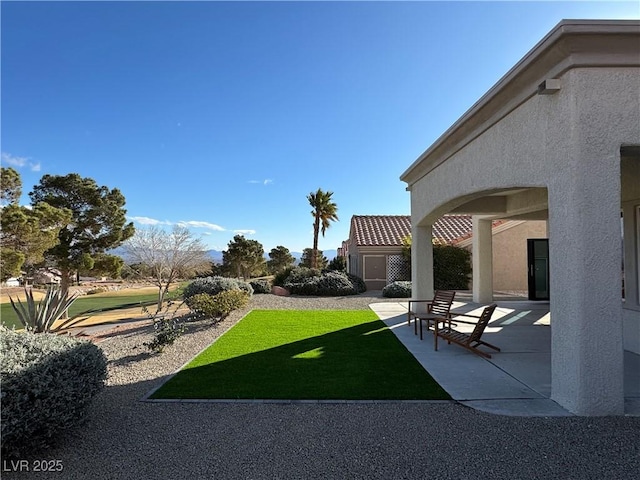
46	276
556	139
374	247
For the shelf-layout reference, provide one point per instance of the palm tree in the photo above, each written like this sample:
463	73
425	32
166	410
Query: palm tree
324	211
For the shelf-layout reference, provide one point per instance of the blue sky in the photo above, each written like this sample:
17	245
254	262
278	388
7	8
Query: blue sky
224	116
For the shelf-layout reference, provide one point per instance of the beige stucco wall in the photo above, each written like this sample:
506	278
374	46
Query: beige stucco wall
510	255
568	143
510	269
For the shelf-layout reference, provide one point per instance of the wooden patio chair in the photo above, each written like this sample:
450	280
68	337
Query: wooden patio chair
438	308
469	341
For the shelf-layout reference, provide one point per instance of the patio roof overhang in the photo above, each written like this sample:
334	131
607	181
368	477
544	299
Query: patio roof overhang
571	44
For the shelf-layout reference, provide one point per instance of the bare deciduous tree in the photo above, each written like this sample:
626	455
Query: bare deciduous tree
168	255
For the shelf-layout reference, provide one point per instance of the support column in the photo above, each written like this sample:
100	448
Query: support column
421	262
482	257
587	366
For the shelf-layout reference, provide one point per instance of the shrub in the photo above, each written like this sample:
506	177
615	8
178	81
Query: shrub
302	274
201	303
281	277
399	289
260	286
358	284
308	281
219	305
338	263
215	285
48	381
165	332
451	267
335	283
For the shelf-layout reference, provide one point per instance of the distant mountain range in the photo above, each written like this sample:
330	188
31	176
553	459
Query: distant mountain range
216	255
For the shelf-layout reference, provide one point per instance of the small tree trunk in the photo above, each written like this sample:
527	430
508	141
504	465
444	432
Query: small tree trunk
64	288
161	293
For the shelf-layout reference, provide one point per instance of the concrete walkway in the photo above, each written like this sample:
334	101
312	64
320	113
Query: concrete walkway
515	381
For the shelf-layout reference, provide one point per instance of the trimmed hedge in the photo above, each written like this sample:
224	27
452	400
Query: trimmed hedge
215	285
48	382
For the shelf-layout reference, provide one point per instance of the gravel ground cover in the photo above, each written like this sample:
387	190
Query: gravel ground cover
126	438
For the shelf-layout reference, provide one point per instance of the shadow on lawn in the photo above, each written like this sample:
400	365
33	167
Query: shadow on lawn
363	362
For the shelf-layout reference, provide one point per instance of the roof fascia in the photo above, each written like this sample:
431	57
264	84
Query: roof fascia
571	44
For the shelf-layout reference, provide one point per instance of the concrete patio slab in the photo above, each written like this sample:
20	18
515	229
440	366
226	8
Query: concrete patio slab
515	381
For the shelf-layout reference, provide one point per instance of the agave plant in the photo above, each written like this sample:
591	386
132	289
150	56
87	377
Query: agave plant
39	317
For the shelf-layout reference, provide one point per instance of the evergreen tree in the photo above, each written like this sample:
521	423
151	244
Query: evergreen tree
98	220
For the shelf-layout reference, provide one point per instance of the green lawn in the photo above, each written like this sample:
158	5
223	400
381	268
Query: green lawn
319	354
83	304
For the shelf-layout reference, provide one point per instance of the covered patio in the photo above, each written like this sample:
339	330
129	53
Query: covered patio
517	380
556	139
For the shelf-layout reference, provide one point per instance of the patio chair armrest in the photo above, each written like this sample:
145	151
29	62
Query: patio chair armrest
428	302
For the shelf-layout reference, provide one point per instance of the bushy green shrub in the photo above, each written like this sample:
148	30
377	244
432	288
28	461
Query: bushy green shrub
215	285
335	283
451	267
48	381
302	275
219	305
399	289
308	281
260	286
281	276
338	263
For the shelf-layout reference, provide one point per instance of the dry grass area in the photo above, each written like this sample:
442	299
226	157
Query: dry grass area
18	292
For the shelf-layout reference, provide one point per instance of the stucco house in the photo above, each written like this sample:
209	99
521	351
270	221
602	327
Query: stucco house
556	139
374	248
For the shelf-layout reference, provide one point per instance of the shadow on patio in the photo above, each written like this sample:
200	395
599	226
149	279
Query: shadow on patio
515	381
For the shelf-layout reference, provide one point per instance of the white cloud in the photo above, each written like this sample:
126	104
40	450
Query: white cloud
14	161
245	232
182	223
200	224
148	221
20	162
266	181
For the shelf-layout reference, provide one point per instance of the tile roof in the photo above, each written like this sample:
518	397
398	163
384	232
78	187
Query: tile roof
450	228
389	230
380	230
